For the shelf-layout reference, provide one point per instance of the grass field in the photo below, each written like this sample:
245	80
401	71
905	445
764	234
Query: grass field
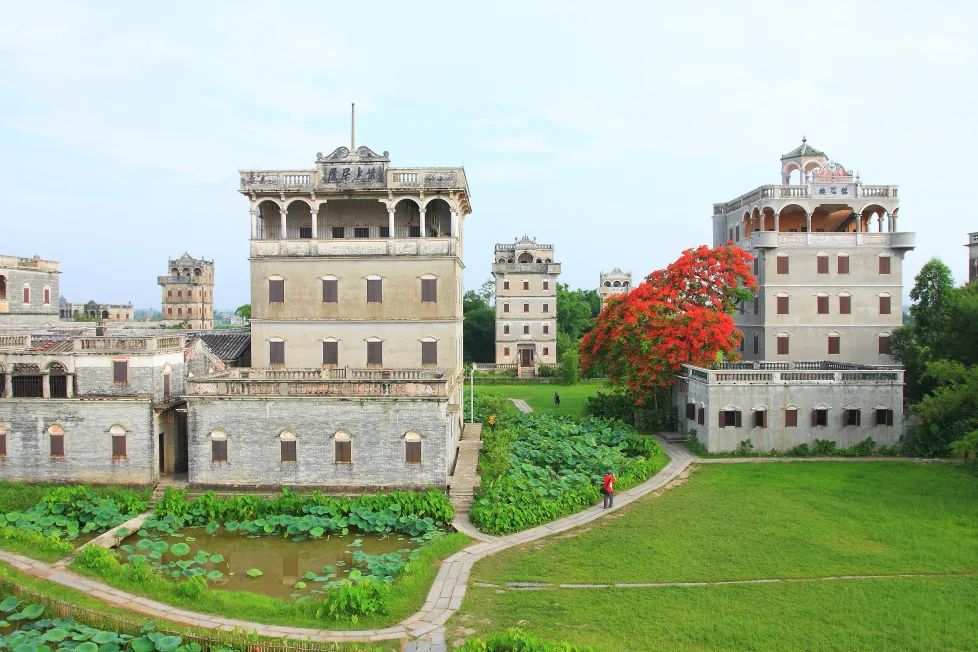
758	521
573	398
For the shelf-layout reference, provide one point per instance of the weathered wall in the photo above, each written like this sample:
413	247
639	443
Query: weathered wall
377	429
94	374
13	310
88	444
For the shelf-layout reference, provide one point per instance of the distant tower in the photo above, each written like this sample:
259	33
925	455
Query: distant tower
526	304
614	282
188	293
972	257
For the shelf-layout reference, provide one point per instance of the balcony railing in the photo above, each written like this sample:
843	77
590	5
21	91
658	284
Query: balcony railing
447	246
811	191
767	239
185	280
526	268
345	382
793	372
128	344
396	179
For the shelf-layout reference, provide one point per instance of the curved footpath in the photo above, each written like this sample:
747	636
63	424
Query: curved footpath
425	628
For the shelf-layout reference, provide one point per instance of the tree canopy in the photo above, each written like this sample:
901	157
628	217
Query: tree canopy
479	325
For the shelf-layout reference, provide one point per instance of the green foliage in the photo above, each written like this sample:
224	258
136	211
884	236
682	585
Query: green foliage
694	444
576	310
514	640
966	448
745	448
243	311
611	406
824	447
97	559
570	366
950	411
543	467
548	371
31	633
479	325
34	544
355	598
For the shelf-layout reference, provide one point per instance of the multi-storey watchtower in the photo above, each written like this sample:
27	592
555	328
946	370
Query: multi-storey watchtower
828	258
526	304
188	292
614	282
972	256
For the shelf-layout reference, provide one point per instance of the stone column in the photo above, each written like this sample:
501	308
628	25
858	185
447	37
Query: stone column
8	386
254	224
808	222
454	224
777	222
423	227
283	235
45	385
70	385
390	223
315	225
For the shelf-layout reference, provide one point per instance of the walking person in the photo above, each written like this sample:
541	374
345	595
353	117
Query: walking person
556	399
608	489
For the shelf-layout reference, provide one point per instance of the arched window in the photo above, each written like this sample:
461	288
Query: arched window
219	445
118	442
883	343
3	438
834	343
607	284
342	448
56	435
375	352
783	344
616	284
197	271
331	351
625	284
525	257
791	416
287	446
845	303
57	381
760	416
47	295
174	272
412	448
783	303
276	350
822	303
884	303
429	352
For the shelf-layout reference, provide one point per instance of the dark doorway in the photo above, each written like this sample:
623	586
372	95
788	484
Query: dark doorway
180	459
162	458
526	357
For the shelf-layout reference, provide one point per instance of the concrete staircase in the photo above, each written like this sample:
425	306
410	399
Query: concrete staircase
464	482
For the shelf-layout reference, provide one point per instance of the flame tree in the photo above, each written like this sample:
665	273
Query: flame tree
678	315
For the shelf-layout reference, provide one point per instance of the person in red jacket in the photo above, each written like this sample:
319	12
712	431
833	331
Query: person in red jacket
608	489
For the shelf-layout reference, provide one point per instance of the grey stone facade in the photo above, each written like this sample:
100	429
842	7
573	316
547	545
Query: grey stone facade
40	278
376	426
87	441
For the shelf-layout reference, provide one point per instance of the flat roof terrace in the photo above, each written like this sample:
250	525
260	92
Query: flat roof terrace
815	371
345	382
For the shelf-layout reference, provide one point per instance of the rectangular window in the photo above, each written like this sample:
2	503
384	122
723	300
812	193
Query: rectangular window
429	290
884	264
834	344
3	444
700	415
505	307
782	305
546	285
57	445
166	385
546	350
884	345
361	232
338	232
276	353
505	285
331	353
119	447
505	350
375	353
737	232
884	417
845	305
506	329
526	307
782	345
851	417
429	353
343	450
219	450
27	295
526	329
120	371
526	285
412	452
782	264
691	410
755	343
843	263
760	418
822	264
385	231
288	450
820	417
546	329
884	305
757	305
823	305
331	290
730	419
791	418
546	307
756	265
305	232
414	231
47	296
374	291
169	311
190	310
276	290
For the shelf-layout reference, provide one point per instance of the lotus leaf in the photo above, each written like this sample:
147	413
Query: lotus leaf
56	634
167	643
180	549
142	644
254	572
103	638
87	646
211	527
300	585
216	559
215	575
9	604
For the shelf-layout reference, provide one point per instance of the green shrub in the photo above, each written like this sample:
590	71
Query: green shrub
824	447
98	559
862	449
745	448
695	445
355	598
610	406
515	640
570	367
32	543
548	371
192	587
801	450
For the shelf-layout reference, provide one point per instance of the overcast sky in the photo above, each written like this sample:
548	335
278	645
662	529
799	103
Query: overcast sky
605	128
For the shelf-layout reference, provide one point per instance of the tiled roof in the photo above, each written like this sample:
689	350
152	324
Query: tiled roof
51	346
803	150
229	346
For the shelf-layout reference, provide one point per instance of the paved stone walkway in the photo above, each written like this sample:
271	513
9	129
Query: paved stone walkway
754	460
425	629
522	405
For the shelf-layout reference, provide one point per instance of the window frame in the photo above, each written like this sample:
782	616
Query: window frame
288	446
219	446
56	433
330	289
123	377
783	265
342	448
116	435
429	290
412	448
276	290
375	290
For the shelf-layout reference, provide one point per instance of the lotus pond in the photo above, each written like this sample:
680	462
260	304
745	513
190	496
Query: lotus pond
269	565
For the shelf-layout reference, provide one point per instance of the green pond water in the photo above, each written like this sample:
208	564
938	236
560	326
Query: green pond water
282	562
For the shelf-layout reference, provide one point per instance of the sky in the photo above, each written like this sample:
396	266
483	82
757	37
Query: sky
608	129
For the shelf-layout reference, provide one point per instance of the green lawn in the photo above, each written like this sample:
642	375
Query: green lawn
540	397
744	521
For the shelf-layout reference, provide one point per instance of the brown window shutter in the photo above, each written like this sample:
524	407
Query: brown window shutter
219	450
884	345
526	285
331	353
429	353
884	264
700	416
884	305
374	291
723	419
330	291
118	446
845	417
889	417
526	307
783	305
834	344
506	329
845	305
412	452
791	418
823	305
276	353
120	371
276	291
3	444
782	264
814	418
344	452
822	264
288	451
783	345
843	264
375	353
737	421
429	290
57	445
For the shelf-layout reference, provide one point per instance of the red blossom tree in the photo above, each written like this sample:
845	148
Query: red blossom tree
678	315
